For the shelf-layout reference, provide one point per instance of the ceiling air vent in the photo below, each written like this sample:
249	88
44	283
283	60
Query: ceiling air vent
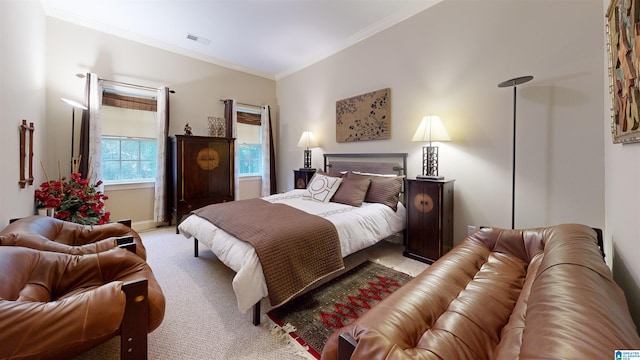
199	39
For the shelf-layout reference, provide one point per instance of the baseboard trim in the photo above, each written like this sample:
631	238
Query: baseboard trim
145	225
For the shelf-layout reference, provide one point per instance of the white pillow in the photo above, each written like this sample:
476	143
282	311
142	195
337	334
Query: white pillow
371	174
321	188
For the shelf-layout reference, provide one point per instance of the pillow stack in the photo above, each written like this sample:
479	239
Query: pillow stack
354	188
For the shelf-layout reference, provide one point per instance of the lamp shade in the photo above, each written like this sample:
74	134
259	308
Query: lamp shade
307	140
431	129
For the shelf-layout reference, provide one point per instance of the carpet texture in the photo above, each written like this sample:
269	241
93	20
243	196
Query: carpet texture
320	312
202	320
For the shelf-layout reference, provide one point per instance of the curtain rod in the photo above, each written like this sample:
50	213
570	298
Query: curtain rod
126	84
134	85
245	104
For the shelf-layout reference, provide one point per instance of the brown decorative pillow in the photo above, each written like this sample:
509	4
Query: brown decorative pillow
352	191
332	174
351	174
384	189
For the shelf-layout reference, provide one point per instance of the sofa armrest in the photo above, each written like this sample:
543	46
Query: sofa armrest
126	242
600	239
346	346
134	326
126	222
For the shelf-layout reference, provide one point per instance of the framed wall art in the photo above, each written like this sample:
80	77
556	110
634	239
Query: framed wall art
364	117
623	46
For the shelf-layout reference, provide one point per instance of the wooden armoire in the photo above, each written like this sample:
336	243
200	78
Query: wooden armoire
201	173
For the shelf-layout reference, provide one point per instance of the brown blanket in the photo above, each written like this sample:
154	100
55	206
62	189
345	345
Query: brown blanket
295	248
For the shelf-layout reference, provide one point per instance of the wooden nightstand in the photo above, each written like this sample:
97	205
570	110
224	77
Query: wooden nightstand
429	219
302	177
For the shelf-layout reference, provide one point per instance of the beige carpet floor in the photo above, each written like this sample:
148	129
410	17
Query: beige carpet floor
202	320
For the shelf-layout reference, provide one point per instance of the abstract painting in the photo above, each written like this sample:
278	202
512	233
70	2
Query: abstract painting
364	117
623	40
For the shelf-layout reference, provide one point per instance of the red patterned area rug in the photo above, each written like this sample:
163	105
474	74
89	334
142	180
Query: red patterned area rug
320	312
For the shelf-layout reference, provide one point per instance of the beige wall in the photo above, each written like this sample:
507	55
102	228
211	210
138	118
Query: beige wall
622	204
448	61
199	86
22	93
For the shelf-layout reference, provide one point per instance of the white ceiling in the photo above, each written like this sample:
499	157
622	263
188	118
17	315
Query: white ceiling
270	38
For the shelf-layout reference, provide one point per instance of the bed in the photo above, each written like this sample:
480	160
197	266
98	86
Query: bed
357	226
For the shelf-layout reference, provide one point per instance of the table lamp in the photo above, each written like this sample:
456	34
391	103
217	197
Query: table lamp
307	141
429	130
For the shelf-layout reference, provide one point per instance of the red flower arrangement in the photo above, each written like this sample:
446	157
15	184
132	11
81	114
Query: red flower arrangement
74	199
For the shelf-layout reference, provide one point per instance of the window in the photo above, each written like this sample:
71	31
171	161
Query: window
129	145
249	150
126	159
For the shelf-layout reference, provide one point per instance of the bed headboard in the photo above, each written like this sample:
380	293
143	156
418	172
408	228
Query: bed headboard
377	163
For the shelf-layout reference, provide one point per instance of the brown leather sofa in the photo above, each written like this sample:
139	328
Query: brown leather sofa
541	293
55	305
51	234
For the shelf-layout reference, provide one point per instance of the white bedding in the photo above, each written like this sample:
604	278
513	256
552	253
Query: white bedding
358	228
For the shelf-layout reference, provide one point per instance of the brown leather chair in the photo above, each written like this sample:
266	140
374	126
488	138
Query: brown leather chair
56	306
51	234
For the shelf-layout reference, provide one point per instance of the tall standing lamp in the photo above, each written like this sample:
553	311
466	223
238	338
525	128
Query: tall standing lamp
514	83
74	105
429	130
307	141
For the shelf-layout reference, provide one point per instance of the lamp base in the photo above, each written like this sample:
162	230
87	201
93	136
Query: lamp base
307	159
429	177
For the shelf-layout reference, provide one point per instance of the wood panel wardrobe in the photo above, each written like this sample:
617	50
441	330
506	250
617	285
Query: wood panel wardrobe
201	173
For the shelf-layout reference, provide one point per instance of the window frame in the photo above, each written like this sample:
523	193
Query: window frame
128	181
249	117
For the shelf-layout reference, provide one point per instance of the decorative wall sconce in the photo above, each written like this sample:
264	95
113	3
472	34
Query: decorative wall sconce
23	153
429	130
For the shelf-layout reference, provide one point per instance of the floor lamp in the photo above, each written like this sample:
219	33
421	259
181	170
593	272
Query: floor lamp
514	83
74	105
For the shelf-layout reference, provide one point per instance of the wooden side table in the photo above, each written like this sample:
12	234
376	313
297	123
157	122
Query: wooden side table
302	177
429	219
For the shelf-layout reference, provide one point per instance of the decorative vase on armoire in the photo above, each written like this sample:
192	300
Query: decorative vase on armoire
202	171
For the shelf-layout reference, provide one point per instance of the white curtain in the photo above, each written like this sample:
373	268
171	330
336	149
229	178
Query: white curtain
266	154
236	156
95	131
159	202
